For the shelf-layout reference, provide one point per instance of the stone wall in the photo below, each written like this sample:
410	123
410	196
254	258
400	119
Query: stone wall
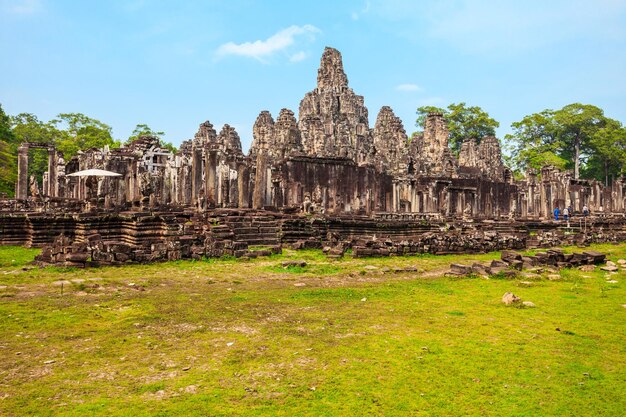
145	237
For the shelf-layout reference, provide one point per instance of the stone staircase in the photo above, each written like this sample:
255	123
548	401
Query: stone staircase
256	230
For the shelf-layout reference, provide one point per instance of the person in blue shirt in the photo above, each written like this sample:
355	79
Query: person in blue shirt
556	213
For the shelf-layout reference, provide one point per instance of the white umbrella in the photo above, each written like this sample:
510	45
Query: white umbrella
94	173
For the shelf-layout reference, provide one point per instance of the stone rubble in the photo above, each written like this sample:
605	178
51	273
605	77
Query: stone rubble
513	261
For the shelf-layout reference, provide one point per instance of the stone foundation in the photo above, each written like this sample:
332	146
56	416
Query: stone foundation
148	237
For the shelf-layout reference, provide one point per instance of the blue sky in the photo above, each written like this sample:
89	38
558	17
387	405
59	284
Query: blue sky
174	64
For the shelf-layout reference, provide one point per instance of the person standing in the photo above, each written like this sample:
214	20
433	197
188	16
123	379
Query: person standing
585	210
566	214
556	213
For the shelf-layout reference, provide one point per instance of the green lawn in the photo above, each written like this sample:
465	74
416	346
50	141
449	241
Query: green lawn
231	337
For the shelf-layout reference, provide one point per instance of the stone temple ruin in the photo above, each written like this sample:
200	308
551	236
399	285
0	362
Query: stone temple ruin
325	178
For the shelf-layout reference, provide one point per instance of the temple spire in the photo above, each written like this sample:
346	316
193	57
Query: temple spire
330	74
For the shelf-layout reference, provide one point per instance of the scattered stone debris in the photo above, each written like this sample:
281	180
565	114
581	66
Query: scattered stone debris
95	251
609	268
509	298
292	263
191	389
552	258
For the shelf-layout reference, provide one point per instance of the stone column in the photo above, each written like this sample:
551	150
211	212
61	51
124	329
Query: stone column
260	180
196	173
52	186
21	189
243	180
210	178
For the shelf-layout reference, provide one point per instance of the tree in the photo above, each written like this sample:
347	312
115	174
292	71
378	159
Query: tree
69	133
8	155
609	152
145	130
563	138
463	122
534	143
27	127
423	111
82	132
576	124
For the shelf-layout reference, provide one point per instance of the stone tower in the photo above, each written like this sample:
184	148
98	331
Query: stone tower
390	143
228	141
262	133
486	156
332	118
491	158
430	151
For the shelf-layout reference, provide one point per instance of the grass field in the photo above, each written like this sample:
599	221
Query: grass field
344	338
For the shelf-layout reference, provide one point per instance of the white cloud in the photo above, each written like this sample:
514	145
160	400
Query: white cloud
22	6
262	49
408	87
297	57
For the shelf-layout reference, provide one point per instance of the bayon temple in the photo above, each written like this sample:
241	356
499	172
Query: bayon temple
328	163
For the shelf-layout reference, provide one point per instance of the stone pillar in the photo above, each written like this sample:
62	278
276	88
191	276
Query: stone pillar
243	182
210	178
21	188
52	187
196	173
233	187
260	180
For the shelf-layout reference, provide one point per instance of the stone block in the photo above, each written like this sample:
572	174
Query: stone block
458	269
595	256
508	256
77	257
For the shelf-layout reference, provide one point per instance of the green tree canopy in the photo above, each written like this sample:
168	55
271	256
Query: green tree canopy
69	133
565	138
145	130
609	152
8	155
27	127
464	122
82	132
576	124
